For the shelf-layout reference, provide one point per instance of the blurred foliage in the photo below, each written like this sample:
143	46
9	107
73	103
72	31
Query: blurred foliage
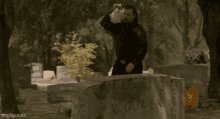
76	57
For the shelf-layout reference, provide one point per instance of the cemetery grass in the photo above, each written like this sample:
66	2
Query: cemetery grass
36	105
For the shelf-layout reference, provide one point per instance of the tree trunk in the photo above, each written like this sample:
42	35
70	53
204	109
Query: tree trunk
8	101
34	45
49	51
186	40
211	33
41	50
151	56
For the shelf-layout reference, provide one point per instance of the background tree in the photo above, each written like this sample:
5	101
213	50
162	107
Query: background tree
188	22
210	11
8	101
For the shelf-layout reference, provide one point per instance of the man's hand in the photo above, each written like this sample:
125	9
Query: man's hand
129	68
122	61
119	6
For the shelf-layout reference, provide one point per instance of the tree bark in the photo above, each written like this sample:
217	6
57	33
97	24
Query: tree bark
8	101
49	51
186	40
151	55
211	33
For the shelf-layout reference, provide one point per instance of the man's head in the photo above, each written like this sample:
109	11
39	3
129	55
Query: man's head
130	14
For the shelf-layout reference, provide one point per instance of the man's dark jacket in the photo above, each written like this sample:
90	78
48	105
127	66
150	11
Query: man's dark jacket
130	39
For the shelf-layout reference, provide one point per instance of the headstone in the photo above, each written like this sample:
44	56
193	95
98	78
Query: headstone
48	74
62	72
60	92
37	69
136	96
195	75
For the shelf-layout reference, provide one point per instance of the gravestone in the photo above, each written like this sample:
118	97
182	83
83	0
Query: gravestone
37	69
195	75
48	74
37	72
136	96
62	72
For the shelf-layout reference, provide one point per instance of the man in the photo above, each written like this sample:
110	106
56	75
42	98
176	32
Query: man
130	40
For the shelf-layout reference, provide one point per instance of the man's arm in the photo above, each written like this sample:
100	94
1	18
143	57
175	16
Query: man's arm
141	34
110	26
106	22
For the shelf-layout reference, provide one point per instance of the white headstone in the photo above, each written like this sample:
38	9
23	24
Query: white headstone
48	74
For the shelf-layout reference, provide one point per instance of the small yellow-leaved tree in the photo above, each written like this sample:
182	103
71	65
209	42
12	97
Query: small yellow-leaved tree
77	58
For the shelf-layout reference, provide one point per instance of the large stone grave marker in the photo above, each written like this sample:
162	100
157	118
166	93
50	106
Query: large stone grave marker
37	72
138	96
37	69
195	75
62	72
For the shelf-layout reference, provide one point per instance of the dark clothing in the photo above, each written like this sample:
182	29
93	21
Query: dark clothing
130	41
119	68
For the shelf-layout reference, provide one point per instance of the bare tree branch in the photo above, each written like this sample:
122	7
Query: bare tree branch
176	26
200	41
193	21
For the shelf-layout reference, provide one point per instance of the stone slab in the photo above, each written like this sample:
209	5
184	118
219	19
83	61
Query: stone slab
195	75
60	92
38	74
137	96
65	109
33	80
